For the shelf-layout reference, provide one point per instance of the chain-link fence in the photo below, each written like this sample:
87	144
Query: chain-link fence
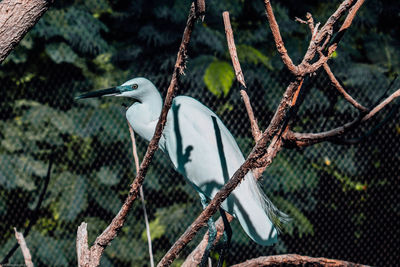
64	161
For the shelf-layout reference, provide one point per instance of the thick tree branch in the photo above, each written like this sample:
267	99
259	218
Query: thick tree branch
112	230
295	260
17	17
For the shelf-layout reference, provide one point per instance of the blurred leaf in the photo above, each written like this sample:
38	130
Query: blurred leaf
300	221
290	172
73	198
7	173
106	198
157	230
67	23
247	53
219	77
61	52
107	176
46	250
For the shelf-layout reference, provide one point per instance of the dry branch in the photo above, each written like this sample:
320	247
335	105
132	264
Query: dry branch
17	17
24	248
295	260
280	45
307	139
339	87
112	230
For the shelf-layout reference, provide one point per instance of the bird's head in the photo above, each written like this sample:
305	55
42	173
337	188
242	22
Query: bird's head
137	88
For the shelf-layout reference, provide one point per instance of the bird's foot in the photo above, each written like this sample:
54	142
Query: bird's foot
212	233
226	239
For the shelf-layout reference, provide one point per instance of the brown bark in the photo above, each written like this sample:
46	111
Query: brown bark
17	17
295	260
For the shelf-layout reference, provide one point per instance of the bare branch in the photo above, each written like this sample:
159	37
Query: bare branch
307	139
112	230
82	248
24	248
295	260
200	9
280	45
239	75
339	87
24	14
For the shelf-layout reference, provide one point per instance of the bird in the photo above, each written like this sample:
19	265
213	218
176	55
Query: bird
203	150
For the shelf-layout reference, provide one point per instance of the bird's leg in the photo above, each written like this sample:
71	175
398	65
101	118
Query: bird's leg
226	239
212	232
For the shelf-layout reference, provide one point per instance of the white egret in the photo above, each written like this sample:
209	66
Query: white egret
203	150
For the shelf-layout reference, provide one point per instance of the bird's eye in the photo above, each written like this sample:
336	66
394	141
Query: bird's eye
134	86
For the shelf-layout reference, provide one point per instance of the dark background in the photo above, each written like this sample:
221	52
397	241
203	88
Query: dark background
343	199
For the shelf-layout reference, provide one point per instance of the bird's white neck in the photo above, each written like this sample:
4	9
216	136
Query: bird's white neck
143	115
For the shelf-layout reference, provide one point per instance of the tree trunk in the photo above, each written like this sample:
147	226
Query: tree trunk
17	17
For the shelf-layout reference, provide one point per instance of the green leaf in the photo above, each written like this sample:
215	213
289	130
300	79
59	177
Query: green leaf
73	197
219	77
290	172
7	173
300	221
106	198
61	52
157	230
247	53
46	250
107	176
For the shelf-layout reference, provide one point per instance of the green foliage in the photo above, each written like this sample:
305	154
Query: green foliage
299	221
250	54
157	230
219	77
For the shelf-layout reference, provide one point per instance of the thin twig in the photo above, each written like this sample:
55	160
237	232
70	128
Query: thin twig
35	213
141	193
280	45
112	230
24	248
295	260
339	87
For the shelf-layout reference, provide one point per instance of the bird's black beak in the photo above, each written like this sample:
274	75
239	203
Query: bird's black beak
105	92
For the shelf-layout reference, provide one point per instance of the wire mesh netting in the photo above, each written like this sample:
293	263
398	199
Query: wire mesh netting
64	161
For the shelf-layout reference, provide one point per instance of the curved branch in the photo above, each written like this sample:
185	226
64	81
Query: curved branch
17	17
295	260
307	139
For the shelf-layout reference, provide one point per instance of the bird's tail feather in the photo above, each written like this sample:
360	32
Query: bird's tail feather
277	217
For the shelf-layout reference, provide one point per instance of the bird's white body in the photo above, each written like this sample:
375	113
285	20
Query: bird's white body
203	150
